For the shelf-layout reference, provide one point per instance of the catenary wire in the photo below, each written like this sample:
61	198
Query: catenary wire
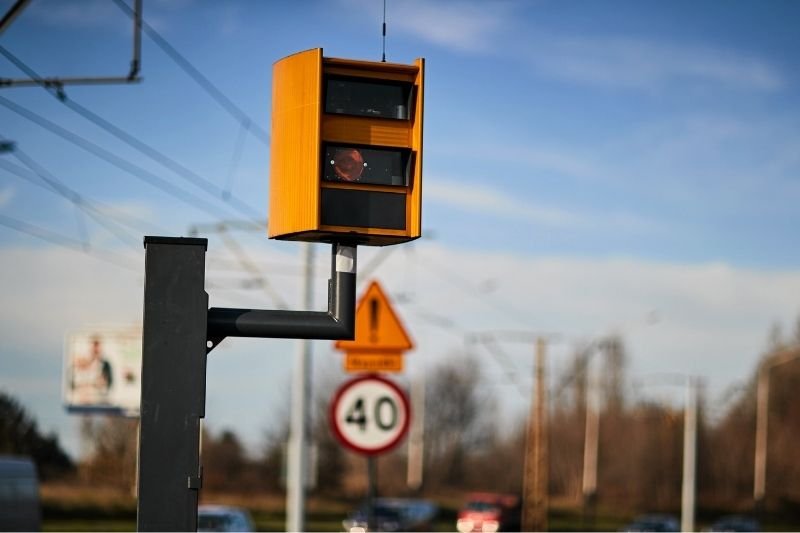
85	206
234	166
64	241
130	221
134	142
249	266
115	160
213	91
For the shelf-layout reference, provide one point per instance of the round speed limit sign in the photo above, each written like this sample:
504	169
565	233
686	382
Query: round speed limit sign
369	414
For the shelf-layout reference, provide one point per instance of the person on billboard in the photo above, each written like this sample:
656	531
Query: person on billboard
92	377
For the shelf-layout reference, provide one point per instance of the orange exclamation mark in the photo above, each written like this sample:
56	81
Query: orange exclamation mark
373	320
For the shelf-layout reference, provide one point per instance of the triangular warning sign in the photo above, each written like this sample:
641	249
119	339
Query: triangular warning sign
378	329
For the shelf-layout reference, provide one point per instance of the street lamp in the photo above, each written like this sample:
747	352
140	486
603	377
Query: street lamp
779	357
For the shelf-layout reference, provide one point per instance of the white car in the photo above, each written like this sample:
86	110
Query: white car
223	518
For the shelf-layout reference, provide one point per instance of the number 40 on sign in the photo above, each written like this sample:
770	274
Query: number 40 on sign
370	414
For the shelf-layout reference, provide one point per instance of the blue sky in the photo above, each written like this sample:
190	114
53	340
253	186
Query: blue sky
585	164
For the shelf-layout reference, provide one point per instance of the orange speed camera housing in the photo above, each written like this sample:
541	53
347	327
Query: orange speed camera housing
346	160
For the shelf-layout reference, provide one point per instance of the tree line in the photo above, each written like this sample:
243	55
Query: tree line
470	445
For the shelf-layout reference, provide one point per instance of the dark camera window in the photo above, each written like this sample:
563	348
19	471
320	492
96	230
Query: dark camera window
349	96
354	164
367	209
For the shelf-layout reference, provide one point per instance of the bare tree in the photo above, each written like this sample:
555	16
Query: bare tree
615	364
225	466
111	460
458	419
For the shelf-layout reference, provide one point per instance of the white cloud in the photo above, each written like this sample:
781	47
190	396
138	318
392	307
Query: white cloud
467	25
570	162
488	200
714	317
642	64
6	194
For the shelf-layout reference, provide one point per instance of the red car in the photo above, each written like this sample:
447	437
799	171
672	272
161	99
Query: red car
489	512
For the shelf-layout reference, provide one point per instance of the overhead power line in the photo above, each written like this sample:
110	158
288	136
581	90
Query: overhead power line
247	123
58	82
248	265
115	160
136	143
112	219
468	288
12	13
64	241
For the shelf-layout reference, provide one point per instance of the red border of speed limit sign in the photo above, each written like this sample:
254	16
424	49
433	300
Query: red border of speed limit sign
353	446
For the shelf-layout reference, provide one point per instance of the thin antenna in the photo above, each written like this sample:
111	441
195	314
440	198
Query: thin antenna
383	56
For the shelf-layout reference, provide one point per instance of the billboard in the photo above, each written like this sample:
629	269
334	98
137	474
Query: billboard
102	370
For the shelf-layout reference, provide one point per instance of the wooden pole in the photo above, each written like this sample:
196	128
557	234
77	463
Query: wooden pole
534	513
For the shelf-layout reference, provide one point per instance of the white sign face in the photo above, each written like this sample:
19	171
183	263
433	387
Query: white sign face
370	414
102	370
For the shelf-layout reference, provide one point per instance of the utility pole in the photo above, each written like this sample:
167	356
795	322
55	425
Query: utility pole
416	437
591	442
534	511
299	432
689	455
762	414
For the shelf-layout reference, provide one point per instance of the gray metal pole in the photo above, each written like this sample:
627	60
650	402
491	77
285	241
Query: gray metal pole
762	409
689	455
591	442
416	437
372	491
173	383
781	356
299	432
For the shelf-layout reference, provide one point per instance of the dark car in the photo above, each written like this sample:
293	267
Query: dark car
393	514
735	523
20	508
653	522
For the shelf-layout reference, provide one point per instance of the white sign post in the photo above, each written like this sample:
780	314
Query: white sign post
370	414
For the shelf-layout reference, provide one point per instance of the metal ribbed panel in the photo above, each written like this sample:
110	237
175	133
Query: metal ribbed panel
355	130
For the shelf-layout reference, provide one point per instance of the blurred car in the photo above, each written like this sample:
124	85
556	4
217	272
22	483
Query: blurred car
653	522
489	512
735	523
223	518
393	514
20	508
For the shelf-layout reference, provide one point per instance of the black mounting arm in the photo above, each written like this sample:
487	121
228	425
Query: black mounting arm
335	324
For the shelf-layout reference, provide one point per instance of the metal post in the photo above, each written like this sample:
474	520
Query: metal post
297	471
372	490
780	357
689	455
534	513
173	383
416	437
590	444
762	410
179	331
